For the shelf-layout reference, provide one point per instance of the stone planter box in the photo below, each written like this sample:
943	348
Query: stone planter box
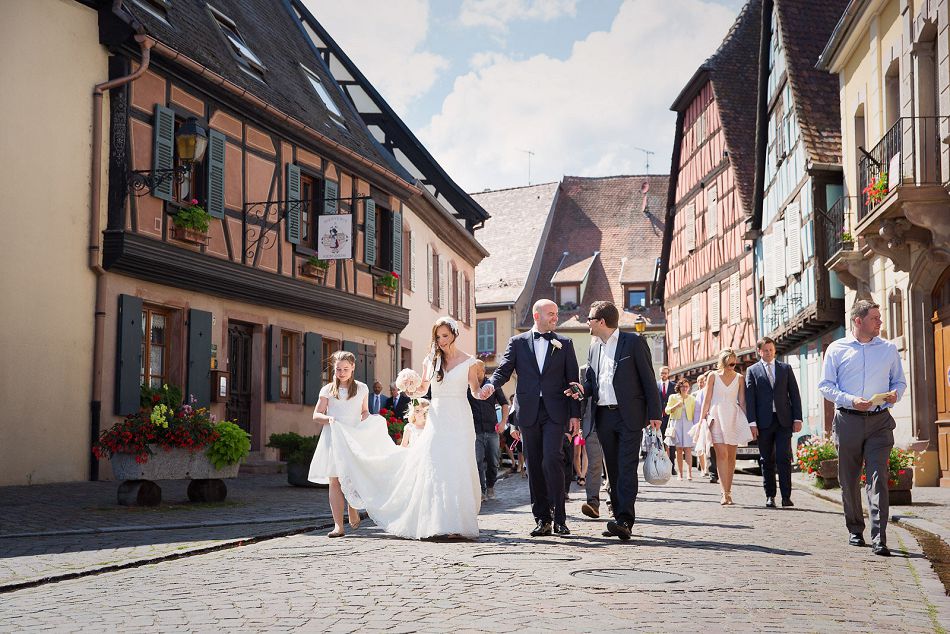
901	493
297	475
828	473
139	489
189	235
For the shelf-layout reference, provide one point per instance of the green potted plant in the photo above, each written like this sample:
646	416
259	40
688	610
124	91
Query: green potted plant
298	451
191	223
315	267
900	475
387	284
847	240
819	457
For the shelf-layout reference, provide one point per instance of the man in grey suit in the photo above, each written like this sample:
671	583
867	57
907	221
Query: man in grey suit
595	459
622	386
774	405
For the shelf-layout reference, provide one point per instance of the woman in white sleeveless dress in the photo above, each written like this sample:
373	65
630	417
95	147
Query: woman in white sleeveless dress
724	408
431	487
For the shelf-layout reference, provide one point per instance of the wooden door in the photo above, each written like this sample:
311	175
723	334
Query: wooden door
240	337
941	326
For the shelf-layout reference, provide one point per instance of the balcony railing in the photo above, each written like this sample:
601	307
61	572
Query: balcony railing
836	226
908	154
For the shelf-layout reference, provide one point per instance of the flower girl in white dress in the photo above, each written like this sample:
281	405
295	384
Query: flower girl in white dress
343	398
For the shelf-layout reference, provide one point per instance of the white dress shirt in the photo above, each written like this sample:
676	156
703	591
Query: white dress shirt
605	368
540	347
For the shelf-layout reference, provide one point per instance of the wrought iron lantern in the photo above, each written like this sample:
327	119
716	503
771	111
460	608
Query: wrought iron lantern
191	141
640	325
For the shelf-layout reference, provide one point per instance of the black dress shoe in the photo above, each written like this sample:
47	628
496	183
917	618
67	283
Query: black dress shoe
787	502
607	534
881	550
543	529
561	530
713	479
619	529
857	539
770	503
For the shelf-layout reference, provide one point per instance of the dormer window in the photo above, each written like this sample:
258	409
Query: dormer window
324	95
568	296
158	8
246	58
635	298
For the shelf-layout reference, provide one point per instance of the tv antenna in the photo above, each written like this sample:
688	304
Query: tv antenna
648	153
530	154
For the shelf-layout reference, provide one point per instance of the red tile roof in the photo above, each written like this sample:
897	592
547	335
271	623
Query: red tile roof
805	27
619	216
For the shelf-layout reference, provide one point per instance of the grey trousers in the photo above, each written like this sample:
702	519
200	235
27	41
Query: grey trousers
868	440
487	452
595	469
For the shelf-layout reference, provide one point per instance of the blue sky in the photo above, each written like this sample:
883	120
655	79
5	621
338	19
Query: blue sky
581	83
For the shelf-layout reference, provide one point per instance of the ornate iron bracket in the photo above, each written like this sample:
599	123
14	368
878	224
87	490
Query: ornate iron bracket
261	230
144	182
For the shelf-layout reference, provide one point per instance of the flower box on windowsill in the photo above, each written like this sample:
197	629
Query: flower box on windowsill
192	236
847	245
386	291
311	270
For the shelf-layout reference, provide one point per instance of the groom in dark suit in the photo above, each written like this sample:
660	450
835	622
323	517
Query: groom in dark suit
546	366
774	405
624	396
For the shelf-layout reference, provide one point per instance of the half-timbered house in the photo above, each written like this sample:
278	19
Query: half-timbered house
706	279
310	215
800	303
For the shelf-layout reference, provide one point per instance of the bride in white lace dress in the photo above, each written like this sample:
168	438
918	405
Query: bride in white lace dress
429	488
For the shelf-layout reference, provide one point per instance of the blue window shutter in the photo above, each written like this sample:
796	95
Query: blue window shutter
199	357
330	195
272	378
293	204
163	152
369	234
312	367
397	242
216	152
128	356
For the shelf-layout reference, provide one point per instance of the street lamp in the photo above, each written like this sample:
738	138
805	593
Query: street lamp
191	141
640	325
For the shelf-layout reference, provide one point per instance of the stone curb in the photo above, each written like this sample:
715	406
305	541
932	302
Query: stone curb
925	525
135	563
165	527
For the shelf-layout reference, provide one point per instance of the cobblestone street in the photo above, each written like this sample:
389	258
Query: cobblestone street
741	568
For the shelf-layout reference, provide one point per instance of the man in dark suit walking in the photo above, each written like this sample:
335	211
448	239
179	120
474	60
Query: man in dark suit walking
546	366
774	405
398	402
621	383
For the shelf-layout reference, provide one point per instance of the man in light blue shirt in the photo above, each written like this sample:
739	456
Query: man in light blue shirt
857	368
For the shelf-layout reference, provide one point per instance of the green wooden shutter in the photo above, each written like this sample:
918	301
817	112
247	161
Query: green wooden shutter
216	152
397	242
273	364
199	357
293	204
163	152
369	363
369	233
312	367
330	195
128	356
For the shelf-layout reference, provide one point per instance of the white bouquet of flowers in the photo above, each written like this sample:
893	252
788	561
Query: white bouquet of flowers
408	381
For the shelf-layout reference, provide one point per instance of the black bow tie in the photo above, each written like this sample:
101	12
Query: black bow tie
545	335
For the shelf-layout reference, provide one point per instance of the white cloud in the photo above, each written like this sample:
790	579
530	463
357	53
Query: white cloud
582	115
384	54
496	14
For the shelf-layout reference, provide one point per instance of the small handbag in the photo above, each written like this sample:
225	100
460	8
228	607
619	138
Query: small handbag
657	467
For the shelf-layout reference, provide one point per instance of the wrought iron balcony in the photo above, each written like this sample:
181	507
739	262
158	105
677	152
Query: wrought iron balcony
909	154
836	227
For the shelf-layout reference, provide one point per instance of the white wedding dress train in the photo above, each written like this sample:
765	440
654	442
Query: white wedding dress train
429	488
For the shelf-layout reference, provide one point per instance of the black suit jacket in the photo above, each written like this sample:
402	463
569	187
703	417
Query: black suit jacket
760	395
634	381
400	406
670	391
559	371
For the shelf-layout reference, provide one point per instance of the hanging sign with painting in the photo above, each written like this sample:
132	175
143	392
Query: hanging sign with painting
335	234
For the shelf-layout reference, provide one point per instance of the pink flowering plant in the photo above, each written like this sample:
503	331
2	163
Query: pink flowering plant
193	217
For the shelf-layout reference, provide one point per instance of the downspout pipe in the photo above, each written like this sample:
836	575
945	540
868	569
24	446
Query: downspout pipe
95	250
